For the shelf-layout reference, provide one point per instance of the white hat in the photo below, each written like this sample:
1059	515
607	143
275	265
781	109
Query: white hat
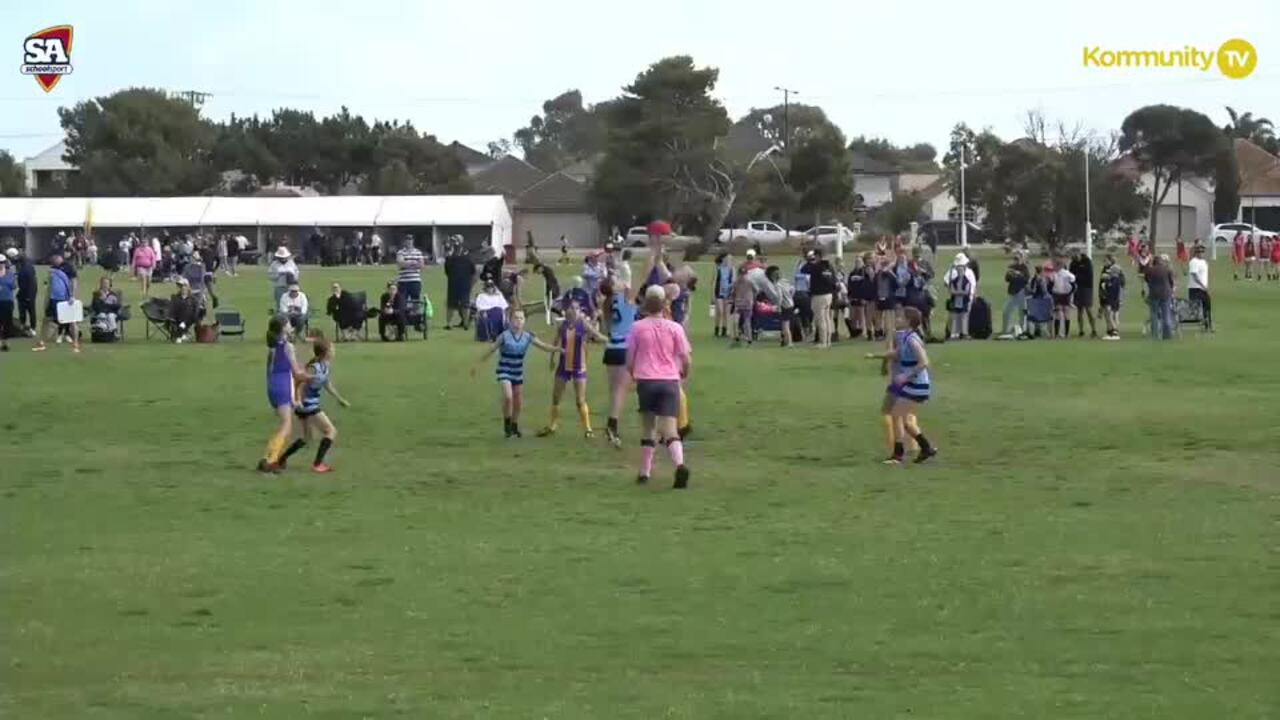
961	260
12	253
751	252
283	253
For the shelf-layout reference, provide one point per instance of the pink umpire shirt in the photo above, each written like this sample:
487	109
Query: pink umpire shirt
657	349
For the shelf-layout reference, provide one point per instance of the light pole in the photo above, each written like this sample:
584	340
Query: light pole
1088	224
964	214
786	143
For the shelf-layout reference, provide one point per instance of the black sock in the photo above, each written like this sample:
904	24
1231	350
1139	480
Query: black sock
1066	328
612	424
325	444
899	450
295	447
506	425
923	442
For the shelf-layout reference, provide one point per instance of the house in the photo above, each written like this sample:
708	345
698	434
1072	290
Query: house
874	181
547	204
1187	208
1259	186
48	169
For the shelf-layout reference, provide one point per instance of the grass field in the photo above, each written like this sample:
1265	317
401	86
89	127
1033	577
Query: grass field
1099	539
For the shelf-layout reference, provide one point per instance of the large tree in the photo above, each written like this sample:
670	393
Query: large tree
821	174
918	158
792	124
662	153
13	179
565	132
1170	143
138	142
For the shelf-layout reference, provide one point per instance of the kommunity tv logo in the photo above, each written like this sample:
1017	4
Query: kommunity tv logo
1235	58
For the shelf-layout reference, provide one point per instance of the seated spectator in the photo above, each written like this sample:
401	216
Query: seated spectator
104	311
294	306
184	312
392	312
345	311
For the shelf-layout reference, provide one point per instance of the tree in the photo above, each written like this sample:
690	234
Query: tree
13	178
1170	142
662	153
801	122
1259	131
902	210
979	152
406	162
821	173
138	142
567	131
497	149
918	158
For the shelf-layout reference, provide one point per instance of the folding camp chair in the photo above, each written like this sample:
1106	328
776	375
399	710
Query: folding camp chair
361	299
419	315
230	322
156	313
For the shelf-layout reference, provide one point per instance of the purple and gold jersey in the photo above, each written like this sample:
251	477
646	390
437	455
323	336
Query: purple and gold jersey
572	339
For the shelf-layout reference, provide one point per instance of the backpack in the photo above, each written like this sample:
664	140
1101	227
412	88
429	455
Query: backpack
980	320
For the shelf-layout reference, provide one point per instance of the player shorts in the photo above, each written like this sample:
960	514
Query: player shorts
898	391
570	375
280	395
658	397
1084	297
303	413
144	272
615	356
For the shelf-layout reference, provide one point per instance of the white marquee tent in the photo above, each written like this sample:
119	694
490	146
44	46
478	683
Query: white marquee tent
438	212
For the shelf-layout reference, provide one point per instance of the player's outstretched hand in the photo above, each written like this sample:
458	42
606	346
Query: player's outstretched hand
344	403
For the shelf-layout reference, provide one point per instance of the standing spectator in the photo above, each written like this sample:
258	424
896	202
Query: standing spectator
1017	277
282	272
28	288
235	246
1160	289
1063	286
1250	257
224	254
744	303
409	260
1082	269
144	263
8	290
859	287
885	286
61	289
721	289
781	294
1198	286
295	307
564	249
592	273
392	313
822	287
1111	292
963	287
1039	300
460	275
375	248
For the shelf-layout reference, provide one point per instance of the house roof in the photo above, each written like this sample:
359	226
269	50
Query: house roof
469	156
584	168
49	159
557	191
509	176
863	165
1259	169
934	189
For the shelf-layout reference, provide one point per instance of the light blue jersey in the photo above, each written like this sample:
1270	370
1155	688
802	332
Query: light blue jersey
624	316
314	386
511	353
906	360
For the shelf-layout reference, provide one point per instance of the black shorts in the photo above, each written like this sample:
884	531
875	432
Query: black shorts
658	397
615	357
1084	297
887	305
51	311
788	314
1062	299
303	414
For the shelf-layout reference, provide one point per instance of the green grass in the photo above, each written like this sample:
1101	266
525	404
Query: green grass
1099	539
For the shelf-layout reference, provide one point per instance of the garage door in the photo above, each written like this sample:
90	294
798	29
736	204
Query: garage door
1167	224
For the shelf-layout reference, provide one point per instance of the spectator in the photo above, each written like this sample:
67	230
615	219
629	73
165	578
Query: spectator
616	262
491	270
1198	286
184	312
282	272
345	311
144	264
592	273
804	307
886	297
237	245
8	291
782	294
294	306
198	277
1039	300
410	261
392	313
375	248
822	285
962	285
858	285
1062	284
28	289
1082	269
720	293
459	275
744	301
1016	278
919	276
1111	292
224	253
1160	290
105	308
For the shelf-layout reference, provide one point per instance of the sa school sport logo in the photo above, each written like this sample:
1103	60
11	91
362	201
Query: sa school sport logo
47	55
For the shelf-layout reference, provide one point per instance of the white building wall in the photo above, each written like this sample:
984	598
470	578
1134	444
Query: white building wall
875	190
1196	210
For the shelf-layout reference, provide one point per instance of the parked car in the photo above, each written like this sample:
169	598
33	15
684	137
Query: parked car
1226	232
637	236
947	232
758	231
825	236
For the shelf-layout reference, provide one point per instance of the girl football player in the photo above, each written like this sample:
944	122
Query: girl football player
314	421
512	346
282	373
571	342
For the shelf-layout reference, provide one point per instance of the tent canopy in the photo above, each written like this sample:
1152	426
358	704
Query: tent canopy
352	211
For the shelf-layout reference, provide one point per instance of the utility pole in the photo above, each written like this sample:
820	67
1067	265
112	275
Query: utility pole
786	143
194	98
964	210
1088	224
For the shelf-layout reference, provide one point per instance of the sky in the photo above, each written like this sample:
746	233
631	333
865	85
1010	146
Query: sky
476	71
